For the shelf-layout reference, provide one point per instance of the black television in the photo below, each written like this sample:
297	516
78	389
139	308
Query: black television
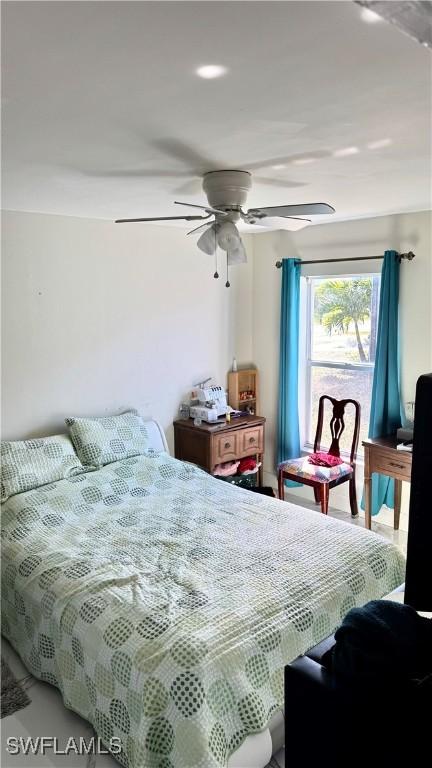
418	579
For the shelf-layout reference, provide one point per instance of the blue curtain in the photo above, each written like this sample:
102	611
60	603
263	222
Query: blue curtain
288	420
385	415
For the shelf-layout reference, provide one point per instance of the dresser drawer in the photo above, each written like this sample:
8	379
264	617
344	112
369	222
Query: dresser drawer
399	468
251	441
226	447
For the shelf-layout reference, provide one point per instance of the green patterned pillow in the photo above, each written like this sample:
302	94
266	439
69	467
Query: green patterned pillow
100	441
27	464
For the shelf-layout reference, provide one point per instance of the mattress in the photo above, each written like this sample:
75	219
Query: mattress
164	603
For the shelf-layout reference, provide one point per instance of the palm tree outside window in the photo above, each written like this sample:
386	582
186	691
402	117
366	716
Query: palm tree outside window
342	317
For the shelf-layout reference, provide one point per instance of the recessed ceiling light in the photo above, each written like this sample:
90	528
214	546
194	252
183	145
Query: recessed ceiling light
211	71
346	151
379	144
370	17
278	167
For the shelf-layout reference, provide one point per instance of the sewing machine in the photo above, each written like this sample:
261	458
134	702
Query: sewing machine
212	402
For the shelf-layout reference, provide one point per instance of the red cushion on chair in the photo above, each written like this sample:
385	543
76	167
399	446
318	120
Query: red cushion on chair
322	459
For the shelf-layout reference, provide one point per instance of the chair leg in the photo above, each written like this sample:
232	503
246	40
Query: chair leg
353	496
317	495
281	486
324	494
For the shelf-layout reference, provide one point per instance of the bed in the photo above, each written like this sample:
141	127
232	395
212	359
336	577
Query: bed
164	603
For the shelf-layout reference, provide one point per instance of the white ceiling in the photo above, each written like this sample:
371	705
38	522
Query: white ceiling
93	89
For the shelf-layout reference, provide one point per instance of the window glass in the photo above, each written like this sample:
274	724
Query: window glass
341	346
340	384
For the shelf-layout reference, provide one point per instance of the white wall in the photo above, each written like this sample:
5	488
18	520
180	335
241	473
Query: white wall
361	237
97	317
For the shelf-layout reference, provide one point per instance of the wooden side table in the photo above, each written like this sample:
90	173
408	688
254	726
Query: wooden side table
381	455
210	444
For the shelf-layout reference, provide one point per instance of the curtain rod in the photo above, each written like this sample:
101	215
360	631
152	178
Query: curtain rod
410	255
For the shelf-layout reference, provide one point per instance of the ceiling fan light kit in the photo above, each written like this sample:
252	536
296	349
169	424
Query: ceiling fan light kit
237	255
227	193
227	235
207	242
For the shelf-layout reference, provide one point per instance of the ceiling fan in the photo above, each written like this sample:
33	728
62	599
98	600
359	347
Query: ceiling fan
226	192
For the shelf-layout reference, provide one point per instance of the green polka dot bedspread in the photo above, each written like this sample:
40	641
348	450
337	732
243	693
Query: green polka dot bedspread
164	604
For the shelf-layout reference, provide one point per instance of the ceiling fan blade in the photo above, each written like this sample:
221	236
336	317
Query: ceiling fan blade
308	209
203	208
200	228
137	173
191	187
164	218
196	164
299	157
185	154
276	222
279	182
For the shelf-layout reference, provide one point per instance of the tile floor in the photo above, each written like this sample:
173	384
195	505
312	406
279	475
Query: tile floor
382	523
47	716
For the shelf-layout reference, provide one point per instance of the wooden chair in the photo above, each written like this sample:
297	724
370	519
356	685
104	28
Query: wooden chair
319	478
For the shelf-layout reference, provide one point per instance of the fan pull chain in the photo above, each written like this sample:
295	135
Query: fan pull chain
216	274
227	284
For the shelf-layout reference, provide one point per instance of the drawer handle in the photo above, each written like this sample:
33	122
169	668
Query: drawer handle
395	464
227	445
251	439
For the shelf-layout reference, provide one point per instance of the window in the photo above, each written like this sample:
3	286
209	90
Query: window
342	319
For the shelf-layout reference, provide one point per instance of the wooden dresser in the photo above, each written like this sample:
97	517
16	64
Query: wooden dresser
382	456
210	444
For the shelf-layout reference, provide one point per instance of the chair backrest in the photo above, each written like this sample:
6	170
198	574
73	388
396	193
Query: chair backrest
337	425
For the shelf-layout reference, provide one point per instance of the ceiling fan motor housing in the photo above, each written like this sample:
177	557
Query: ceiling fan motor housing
227	189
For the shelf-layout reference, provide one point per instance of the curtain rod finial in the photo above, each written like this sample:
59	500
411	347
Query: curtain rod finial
278	265
408	256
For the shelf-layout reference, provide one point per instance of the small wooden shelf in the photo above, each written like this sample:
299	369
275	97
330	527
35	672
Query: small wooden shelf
243	380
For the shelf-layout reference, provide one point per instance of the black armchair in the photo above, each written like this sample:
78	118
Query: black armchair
364	725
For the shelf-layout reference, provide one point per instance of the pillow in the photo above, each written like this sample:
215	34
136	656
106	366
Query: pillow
100	441
27	464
